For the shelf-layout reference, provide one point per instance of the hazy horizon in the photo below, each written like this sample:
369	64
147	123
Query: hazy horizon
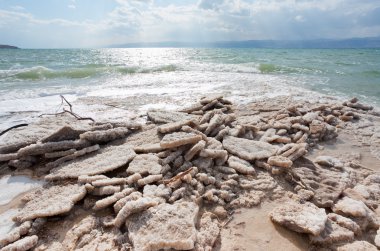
103	23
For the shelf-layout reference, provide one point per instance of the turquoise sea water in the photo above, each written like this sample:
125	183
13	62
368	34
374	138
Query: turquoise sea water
30	74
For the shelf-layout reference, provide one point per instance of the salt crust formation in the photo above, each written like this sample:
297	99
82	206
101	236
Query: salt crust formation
178	139
357	246
107	159
302	218
22	245
50	201
164	226
145	164
193	168
326	183
249	149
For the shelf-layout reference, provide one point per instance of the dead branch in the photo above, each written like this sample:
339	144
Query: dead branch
13	127
178	176
64	100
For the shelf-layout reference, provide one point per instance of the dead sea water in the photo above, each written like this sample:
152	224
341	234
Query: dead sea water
31	80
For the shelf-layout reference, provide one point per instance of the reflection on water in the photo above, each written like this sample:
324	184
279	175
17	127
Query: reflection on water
6	223
12	186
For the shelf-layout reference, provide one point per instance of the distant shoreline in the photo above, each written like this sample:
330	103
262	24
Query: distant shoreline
3	46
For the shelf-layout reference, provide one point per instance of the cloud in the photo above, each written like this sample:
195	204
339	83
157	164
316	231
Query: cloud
71	6
17	8
202	20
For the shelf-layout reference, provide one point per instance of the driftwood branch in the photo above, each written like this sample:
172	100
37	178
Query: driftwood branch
13	127
64	100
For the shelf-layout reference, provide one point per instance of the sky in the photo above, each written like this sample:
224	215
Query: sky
100	23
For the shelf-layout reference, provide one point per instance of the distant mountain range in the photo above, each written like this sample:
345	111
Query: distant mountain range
3	46
373	42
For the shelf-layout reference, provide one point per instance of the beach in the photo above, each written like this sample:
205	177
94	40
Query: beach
199	150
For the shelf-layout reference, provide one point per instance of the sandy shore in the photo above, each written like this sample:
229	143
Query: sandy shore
232	206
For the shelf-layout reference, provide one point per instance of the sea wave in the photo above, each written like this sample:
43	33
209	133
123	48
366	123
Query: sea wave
42	73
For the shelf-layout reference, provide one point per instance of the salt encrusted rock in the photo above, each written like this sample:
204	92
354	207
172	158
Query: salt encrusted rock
22	245
302	218
178	139
101	239
64	133
105	190
37	226
328	161
88	179
215	121
368	191
145	164
59	154
194	107
15	234
77	231
50	201
241	166
157	191
73	156
132	207
106	159
191	130
148	135
23	136
305	195
205	178
210	98
89	234
164	226
357	105
375	145
168	116
8	157
42	148
326	183
172	156
148	148
109	182
121	203
105	136
149	179
224	169
248	199
22	163
377	239
357	246
174	126
208	232
310	116
249	149
213	153
333	233
280	161
263	182
213	144
100	204
345	222
203	163
351	207
177	194
220	212
133	178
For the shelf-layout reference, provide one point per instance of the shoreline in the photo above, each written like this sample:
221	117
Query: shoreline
353	136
